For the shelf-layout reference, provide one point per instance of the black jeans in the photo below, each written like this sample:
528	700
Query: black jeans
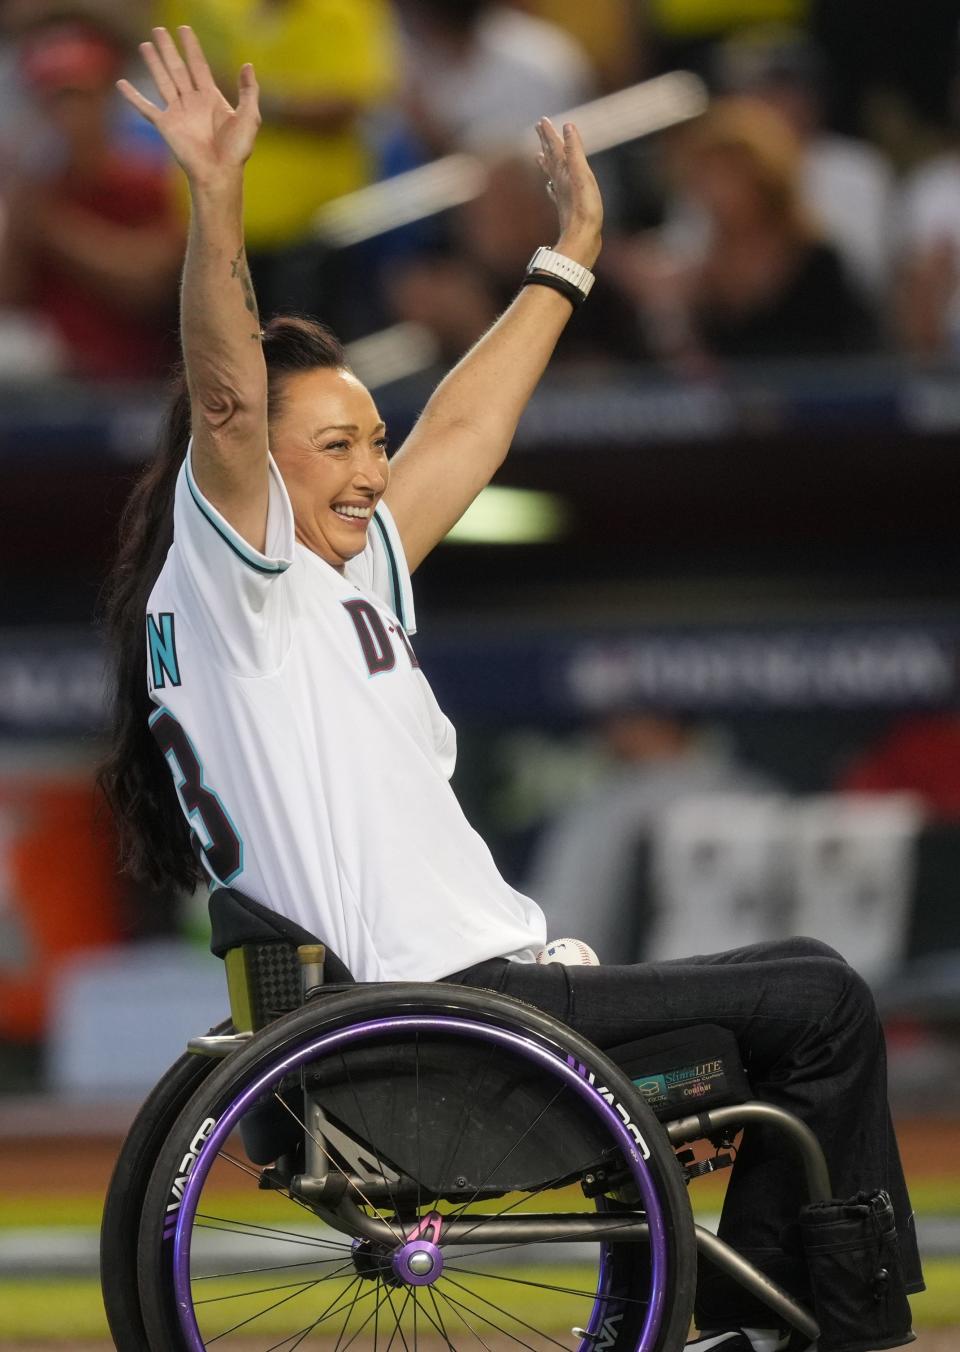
811	1042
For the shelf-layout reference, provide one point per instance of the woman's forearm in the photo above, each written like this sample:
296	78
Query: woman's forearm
490	387
220	323
466	429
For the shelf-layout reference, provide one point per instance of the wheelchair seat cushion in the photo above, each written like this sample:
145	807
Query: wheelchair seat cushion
685	1071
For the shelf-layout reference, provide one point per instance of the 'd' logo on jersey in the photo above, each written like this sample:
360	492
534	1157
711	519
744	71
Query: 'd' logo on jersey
376	643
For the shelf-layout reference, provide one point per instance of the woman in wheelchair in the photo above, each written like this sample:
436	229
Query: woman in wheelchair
284	745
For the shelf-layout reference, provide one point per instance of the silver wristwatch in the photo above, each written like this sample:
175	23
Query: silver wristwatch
558	265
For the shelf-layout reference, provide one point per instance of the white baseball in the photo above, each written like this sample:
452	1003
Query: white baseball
571	952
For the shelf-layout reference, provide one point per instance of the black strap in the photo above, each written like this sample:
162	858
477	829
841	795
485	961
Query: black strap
574	295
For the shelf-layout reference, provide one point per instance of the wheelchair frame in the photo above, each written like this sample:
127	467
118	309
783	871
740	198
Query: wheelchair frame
716	1122
254	1002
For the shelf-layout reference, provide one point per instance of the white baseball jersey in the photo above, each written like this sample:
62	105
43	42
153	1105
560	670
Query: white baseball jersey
309	753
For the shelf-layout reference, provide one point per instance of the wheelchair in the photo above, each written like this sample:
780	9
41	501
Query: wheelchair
408	1165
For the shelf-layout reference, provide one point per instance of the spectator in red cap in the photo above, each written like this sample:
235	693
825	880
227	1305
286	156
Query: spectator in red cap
93	243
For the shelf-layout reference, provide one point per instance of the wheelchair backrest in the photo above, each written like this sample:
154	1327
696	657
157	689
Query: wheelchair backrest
259	950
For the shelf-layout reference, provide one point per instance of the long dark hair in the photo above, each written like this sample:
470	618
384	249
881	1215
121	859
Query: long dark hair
154	835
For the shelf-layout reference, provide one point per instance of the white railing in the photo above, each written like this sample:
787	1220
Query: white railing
639	110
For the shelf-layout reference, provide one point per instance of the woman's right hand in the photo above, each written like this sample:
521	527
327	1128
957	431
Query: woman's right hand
210	139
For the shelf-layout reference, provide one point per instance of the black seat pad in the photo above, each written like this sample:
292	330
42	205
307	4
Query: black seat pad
685	1070
237	919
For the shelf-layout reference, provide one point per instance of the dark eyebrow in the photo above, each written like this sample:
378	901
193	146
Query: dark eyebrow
349	427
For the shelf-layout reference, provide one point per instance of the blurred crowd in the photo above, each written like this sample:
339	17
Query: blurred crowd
813	210
670	831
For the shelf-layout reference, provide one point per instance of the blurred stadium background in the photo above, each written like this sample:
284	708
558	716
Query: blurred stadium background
701	640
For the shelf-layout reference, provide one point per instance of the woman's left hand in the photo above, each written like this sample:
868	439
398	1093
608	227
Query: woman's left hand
572	186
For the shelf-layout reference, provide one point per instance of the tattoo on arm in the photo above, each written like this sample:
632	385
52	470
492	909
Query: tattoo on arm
241	271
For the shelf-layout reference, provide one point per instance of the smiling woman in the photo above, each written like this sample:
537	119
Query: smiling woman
271	542
261	611
334	475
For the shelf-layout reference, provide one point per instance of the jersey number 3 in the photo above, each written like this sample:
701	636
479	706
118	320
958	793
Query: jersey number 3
214	835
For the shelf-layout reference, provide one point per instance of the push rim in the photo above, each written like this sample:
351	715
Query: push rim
573	1075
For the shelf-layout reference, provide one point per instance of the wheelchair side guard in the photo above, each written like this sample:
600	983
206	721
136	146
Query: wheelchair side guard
404	1097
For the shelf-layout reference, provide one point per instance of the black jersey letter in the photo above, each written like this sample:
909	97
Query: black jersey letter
374	640
214	836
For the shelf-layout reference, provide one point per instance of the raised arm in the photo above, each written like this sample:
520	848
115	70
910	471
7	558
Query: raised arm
220	326
465	431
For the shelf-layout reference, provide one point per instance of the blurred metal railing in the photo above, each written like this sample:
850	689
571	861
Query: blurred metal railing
639	110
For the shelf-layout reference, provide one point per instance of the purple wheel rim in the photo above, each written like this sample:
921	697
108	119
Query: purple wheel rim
358	1032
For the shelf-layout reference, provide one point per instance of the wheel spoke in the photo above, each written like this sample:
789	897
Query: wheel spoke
255	1231
329	1313
350	1309
251	1272
267	1290
374	1315
443	1330
260	1313
238	1164
472	1095
493	1275
339	1167
367	1132
470	1329
500	1310
257	1174
457	1305
500	1163
521	1200
398	1329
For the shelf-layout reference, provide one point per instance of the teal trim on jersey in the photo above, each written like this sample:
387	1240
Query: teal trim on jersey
162	642
394	570
239	547
177	769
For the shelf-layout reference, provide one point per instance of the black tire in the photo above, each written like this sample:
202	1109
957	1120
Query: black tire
333	1013
123	1207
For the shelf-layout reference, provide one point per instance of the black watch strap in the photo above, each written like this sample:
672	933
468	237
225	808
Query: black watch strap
573	293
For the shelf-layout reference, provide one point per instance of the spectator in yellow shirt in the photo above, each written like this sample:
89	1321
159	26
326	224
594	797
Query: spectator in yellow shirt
321	65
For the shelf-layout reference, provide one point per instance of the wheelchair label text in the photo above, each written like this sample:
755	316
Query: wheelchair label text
188	1161
608	1334
607	1095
